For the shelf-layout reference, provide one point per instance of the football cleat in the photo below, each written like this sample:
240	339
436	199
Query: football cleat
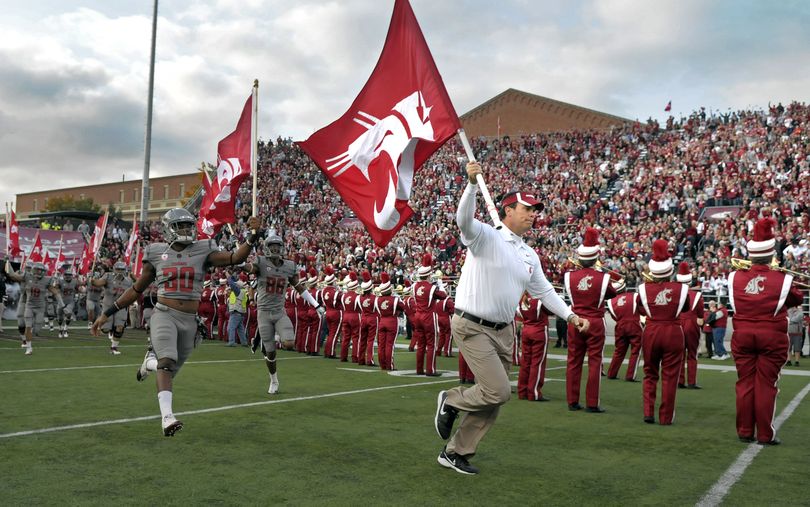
114	351
273	387
29	351
171	425
143	371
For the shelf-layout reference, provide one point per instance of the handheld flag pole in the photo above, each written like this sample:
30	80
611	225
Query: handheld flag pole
253	139
491	209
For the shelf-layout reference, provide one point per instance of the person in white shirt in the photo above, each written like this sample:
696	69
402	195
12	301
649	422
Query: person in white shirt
498	269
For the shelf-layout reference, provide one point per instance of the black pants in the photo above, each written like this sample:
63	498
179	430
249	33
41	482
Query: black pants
709	339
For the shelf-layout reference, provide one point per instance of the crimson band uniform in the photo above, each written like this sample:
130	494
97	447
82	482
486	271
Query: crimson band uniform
534	349
760	298
368	329
301	319
426	325
588	289
443	309
207	309
330	298
691	334
623	309
221	300
662	344
351	326
387	307
314	324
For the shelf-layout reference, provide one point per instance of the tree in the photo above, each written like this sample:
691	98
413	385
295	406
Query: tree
68	203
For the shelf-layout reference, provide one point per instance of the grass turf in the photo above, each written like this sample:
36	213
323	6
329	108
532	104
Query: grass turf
340	434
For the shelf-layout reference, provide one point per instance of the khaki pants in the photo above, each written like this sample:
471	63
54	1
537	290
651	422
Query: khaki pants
489	355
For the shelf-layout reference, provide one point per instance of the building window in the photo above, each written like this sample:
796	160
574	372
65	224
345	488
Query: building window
151	193
121	194
165	192
36	205
135	193
182	190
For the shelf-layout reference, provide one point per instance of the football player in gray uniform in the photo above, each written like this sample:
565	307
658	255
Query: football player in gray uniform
67	286
115	284
273	273
36	287
178	268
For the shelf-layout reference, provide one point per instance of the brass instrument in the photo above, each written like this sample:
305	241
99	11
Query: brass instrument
598	266
745	264
647	276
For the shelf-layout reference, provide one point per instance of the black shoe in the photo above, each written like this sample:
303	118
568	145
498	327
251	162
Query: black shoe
681	386
254	343
693	386
788	363
649	419
595	410
574	406
773	441
434	374
630	380
542	398
456	462
796	363
612	378
445	416
747	440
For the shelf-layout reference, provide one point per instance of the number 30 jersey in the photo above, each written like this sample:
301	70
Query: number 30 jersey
273	281
179	275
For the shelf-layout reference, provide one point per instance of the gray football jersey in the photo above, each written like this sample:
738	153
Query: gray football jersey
272	283
93	292
36	290
67	289
180	275
114	288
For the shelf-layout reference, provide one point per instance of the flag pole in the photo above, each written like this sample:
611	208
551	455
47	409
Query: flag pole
8	230
493	211
254	126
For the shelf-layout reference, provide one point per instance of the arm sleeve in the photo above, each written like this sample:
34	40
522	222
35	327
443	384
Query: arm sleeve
309	299
233	286
465	215
540	287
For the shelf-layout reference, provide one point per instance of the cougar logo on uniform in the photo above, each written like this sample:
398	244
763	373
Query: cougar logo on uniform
366	303
347	300
663	298
420	291
585	283
384	305
396	136
755	285
620	301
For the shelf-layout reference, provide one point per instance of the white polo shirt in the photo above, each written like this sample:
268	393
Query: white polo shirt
498	268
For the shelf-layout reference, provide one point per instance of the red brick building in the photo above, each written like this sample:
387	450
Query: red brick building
523	113
166	192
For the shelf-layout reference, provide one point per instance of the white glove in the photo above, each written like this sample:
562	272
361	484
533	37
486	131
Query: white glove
321	310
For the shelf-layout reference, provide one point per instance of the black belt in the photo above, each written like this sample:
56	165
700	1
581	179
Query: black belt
478	320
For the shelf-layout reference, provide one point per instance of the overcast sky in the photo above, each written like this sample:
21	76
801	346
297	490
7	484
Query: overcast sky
74	74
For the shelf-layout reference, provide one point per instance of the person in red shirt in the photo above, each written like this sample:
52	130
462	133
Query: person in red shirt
533	349
627	332
662	343
221	299
301	317
691	322
760	298
426	327
588	289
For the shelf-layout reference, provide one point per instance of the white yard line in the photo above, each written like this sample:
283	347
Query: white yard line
731	476
39	370
215	409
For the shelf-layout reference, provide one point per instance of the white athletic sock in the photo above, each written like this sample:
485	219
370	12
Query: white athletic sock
274	377
165	402
151	365
115	344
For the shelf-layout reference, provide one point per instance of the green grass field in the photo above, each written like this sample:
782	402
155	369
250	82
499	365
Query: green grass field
339	434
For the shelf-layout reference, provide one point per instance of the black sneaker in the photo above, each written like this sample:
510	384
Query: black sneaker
445	416
456	462
255	342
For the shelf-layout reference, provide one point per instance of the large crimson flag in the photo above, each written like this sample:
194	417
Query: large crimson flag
133	237
99	232
400	118
13	237
36	250
233	167
87	258
50	264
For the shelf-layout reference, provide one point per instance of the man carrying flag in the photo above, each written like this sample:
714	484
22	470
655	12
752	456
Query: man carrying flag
400	118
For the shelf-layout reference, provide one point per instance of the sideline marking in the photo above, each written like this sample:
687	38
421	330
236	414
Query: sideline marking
730	477
214	409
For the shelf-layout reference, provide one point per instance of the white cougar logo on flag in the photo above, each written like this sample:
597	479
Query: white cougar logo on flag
585	283
227	170
755	285
663	298
396	135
